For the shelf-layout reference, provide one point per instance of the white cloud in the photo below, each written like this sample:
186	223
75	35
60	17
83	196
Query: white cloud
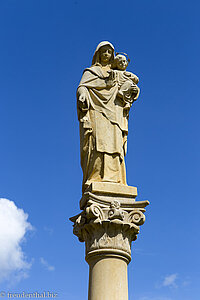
13	227
46	264
170	280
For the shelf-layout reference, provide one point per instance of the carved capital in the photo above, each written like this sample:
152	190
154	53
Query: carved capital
109	227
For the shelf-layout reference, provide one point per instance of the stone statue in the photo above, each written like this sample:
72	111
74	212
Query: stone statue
104	97
110	216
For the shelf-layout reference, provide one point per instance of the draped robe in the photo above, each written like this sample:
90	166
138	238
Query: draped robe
103	128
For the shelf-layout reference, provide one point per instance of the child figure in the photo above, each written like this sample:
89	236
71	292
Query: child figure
127	81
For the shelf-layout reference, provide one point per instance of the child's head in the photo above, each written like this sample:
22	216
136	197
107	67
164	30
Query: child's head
120	62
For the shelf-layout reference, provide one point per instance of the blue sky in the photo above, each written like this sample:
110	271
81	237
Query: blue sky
45	45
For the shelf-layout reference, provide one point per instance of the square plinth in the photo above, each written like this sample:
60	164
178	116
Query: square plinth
112	188
104	193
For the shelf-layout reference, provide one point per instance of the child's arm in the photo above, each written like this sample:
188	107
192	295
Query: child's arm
132	76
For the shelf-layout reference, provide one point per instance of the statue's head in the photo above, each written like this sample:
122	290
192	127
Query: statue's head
120	62
104	54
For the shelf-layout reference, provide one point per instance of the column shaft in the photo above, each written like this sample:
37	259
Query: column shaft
108	278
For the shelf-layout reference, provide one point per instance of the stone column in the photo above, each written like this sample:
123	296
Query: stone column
108	223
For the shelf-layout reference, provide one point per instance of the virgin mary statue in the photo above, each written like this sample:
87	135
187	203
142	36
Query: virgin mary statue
103	118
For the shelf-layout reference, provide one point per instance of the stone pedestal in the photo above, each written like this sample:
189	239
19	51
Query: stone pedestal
108	223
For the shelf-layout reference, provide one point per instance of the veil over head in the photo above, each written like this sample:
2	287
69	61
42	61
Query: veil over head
96	58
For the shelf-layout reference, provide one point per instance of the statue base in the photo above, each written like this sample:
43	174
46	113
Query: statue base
110	220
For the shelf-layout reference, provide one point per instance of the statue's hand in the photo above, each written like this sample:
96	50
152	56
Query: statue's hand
111	79
82	102
82	98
